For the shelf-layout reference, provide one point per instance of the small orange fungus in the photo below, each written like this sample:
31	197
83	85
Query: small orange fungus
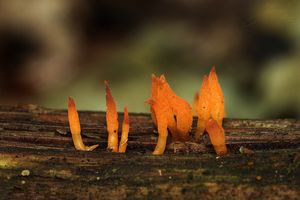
203	107
217	136
217	97
210	102
211	111
75	127
125	130
181	109
168	111
111	120
162	126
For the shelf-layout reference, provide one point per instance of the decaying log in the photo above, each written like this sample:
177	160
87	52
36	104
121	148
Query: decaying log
38	160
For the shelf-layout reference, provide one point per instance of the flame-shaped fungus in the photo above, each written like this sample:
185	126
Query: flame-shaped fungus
75	127
163	99
111	120
210	102
211	112
125	131
182	111
217	97
161	114
217	136
168	111
203	107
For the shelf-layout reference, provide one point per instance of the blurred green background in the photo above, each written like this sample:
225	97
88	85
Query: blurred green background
50	50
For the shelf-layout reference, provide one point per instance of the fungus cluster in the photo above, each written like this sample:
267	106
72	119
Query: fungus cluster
113	124
170	113
111	121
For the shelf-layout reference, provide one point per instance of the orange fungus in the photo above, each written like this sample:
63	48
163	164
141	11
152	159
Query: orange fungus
168	111
203	107
217	136
125	131
217	97
75	127
111	120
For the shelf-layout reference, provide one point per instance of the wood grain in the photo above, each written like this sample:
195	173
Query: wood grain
38	139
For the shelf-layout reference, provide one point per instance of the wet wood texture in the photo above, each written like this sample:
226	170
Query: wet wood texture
38	160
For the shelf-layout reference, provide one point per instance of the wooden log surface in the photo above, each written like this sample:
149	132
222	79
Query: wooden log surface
38	160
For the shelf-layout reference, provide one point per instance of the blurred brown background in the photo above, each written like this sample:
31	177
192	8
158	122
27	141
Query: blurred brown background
50	50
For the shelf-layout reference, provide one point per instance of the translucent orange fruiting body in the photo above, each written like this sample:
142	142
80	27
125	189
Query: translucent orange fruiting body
203	107
217	136
75	127
211	111
162	126
160	103
125	131
111	120
161	114
181	109
217	99
168	111
73	117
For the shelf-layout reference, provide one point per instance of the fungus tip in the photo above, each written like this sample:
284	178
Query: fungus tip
71	102
213	69
162	78
150	101
126	117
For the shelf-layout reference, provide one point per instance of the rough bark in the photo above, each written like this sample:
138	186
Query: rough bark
37	139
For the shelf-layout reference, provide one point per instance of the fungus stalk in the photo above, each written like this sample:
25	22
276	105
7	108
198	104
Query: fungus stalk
161	141
162	129
217	136
125	131
162	125
75	127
